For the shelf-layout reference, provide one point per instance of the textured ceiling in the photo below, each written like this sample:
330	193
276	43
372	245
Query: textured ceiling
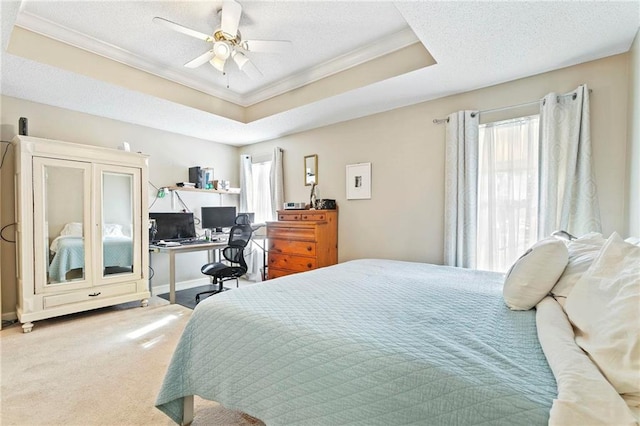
474	44
318	31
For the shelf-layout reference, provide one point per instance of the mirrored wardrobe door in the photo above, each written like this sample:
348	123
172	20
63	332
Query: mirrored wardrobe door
119	219
62	218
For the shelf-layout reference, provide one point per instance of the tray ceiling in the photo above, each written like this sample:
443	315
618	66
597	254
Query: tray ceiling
348	58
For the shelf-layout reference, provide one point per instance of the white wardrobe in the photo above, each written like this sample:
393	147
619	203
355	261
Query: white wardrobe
81	232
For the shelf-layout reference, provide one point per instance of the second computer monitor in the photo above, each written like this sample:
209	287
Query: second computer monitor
218	217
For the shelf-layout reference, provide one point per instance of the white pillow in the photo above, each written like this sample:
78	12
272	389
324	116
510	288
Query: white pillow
582	252
533	275
633	240
126	230
73	229
112	230
604	308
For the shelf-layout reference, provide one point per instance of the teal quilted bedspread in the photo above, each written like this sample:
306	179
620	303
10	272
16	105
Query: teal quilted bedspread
366	342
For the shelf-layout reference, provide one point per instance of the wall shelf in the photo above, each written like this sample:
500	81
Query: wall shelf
230	191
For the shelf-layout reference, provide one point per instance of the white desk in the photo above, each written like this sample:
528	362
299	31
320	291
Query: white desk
209	246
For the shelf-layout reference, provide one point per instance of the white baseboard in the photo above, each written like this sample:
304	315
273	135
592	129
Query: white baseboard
9	316
182	285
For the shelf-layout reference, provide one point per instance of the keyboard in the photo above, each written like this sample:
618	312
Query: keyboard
188	242
178	242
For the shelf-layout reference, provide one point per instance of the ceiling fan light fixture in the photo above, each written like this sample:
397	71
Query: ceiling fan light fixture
240	59
222	49
218	63
227	42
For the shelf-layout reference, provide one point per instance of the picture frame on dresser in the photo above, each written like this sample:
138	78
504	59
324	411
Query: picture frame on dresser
358	181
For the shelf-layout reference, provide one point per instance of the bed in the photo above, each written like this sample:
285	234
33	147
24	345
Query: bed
371	342
554	341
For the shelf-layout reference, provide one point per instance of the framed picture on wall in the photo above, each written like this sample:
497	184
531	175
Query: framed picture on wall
359	181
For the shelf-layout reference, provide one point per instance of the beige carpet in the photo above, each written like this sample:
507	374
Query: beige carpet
103	367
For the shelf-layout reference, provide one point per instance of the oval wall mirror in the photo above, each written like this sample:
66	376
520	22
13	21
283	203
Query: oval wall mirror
311	169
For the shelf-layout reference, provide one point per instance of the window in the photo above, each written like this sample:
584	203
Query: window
507	191
260	198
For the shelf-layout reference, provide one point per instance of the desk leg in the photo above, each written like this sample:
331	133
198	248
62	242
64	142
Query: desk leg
264	260
211	258
149	272
172	277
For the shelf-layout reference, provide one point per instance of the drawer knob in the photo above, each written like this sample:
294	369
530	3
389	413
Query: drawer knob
95	294
308	248
309	265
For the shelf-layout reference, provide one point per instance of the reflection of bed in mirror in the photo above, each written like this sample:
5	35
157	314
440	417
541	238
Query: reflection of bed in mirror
68	252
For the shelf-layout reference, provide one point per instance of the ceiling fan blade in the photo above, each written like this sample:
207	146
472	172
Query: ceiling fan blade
267	46
231	12
240	59
251	70
205	57
184	30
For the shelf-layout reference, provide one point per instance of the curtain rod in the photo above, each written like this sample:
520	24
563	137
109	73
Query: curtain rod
473	114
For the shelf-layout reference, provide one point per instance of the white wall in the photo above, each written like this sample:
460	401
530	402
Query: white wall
171	155
404	218
633	155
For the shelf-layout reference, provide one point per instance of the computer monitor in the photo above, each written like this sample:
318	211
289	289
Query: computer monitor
217	218
172	227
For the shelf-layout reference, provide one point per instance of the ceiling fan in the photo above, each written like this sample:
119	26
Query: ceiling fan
227	42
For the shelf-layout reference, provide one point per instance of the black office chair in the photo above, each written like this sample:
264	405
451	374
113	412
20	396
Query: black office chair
239	237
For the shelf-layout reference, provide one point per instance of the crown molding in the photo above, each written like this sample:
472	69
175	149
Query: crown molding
47	28
341	63
74	38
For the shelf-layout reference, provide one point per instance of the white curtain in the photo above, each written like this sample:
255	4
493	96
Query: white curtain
568	196
277	182
507	192
255	197
246	183
254	263
461	188
261	199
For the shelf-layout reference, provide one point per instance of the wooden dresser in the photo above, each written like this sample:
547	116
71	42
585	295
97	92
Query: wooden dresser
302	240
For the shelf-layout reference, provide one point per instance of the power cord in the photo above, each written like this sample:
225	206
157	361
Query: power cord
7	323
160	193
186	209
5	152
157	194
2	230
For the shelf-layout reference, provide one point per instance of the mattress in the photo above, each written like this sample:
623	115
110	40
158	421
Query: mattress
366	342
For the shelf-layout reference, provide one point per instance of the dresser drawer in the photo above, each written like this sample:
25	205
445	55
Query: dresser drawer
315	216
297	233
289	215
308	215
304	248
89	294
277	273
292	263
